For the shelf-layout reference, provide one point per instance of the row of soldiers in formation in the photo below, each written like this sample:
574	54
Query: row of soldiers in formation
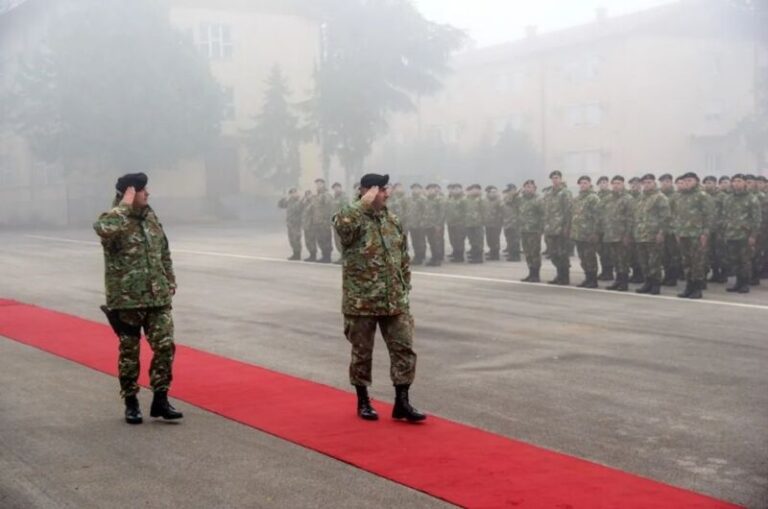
678	229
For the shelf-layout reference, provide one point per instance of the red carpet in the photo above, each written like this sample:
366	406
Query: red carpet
457	463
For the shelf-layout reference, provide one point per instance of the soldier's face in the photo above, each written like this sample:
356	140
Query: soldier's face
649	185
725	185
529	188
320	186
636	186
666	184
618	186
142	198
584	185
750	185
432	191
556	180
738	184
709	185
337	190
603	185
493	194
416	191
382	197
761	185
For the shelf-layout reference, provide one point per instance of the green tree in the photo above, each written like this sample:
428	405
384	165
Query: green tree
378	56
116	87
275	138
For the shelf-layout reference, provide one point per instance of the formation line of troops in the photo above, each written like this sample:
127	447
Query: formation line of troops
648	231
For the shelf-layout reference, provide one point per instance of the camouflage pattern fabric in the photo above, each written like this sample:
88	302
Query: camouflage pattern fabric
456	210
474	211
587	251
397	331
558	206
532	249
693	213
620	256
718	248
294	210
158	328
617	210
585	220
339	202
476	242
322	209
398	206
493	239
740	258
694	258
742	216
559	250
649	255
531	214
652	216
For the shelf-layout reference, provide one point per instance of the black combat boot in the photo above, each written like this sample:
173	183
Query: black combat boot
646	288
535	275
715	277
161	407
493	256
364	409
326	258
637	275
688	289
606	274
755	279
311	258
670	277
403	408
590	281
741	286
132	410
620	284
515	257
565	276
295	256
696	287
556	280
655	287
527	279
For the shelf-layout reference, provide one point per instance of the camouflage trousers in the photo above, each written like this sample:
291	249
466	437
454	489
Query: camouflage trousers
620	256
559	250
323	238
604	252
457	236
337	242
294	238
419	243
512	237
718	252
759	252
157	324
310	241
740	258
694	258
436	239
587	251
649	255
397	331
476	242
671	253
493	239
532	249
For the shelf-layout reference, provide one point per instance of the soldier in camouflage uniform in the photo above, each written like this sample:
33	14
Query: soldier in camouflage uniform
761	271
306	224
635	192
434	224
531	225
671	259
397	204
742	215
511	222
322	210
603	251
585	225
416	207
558	206
691	222
340	200
493	219
455	218
650	226
293	218
616	213
753	187
474	219
140	284
376	286
717	255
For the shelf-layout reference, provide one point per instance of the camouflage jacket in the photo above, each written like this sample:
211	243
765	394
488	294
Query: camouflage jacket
456	210
339	202
322	209
510	215
617	210
585	221
652	216
398	205
672	196
376	272
294	210
417	206
474	216
718	199
558	206
531	214
306	211
493	213
692	216
742	215
434	212
138	272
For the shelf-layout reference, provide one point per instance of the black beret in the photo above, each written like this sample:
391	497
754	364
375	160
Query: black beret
749	176
318	180
373	179
648	176
739	176
555	173
679	178
602	179
633	180
138	181
335	184
529	181
666	176
416	186
761	178
710	178
490	188
474	186
690	175
618	178
432	186
725	178
584	177
510	187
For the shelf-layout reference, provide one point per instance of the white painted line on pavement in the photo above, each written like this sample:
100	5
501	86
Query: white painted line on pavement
443	275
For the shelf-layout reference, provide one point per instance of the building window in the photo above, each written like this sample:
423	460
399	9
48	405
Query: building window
584	115
583	68
589	162
215	41
229	103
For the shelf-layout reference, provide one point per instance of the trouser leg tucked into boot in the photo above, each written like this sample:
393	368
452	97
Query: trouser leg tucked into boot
403	408
364	409
161	407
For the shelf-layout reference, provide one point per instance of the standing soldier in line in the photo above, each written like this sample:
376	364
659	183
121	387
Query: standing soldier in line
717	247
293	212
511	222
585	225
322	209
434	224
396	203
140	285
455	217
376	284
606	263
754	186
691	223
493	219
762	270
340	200
617	210
306	222
635	192
558	206
743	217
474	218
416	207
671	256
531	226
651	225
